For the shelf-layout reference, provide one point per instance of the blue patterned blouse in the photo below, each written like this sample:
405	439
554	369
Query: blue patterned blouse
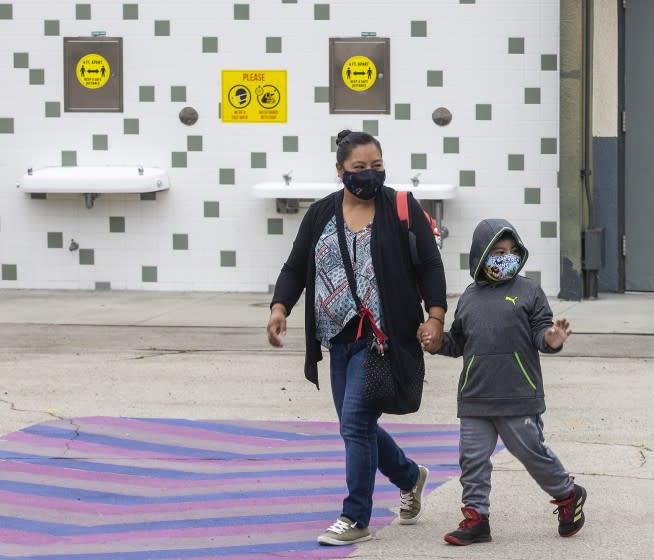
334	304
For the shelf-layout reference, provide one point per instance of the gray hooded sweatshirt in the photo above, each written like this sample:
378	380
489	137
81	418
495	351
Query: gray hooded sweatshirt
498	328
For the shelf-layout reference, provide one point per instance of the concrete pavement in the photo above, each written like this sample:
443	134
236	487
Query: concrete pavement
199	355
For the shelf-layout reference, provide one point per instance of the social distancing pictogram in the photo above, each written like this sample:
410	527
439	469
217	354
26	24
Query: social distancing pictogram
359	73
93	71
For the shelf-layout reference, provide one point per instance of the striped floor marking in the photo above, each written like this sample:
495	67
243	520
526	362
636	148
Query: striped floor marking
102	488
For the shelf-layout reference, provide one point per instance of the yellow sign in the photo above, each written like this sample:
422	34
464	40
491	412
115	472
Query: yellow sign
359	73
93	71
253	96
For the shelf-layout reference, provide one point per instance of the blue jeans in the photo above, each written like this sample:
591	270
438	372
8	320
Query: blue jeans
367	446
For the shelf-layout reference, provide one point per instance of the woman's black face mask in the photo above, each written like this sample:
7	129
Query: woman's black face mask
364	184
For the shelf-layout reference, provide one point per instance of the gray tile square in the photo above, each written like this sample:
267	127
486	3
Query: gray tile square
68	158
52	109
467	1
100	142
321	94
451	145
464	261
211	209
241	11
418	28
289	1
434	78
9	271
418	161
402	111
6	11
130	126
6	126
516	45
148	273
103	286
532	96
548	229
180	241
178	159
130	11
273	44
82	11
548	62
117	224
194	143
227	258
484	112
161	28
87	256
37	76
55	240
548	146
51	27
38	196
532	195
275	226
516	162
321	11
371	127
258	160
290	144
332	143
227	176
148	196
21	60
209	44
534	276
467	178
146	94
178	93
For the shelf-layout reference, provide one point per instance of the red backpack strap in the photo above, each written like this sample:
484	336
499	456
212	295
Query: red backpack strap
402	205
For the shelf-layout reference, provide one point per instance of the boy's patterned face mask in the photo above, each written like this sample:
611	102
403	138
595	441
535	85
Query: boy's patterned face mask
501	267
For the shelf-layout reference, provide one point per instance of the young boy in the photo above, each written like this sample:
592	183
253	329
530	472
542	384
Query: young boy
501	322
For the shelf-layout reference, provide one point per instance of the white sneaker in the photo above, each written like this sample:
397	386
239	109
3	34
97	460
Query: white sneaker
344	531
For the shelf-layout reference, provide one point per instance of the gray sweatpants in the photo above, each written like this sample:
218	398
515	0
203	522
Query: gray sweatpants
523	437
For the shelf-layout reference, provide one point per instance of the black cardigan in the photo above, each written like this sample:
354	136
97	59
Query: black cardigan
396	275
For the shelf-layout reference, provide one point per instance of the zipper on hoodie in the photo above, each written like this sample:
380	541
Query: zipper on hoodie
524	371
465	380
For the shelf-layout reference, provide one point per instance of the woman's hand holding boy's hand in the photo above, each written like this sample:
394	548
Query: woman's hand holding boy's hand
277	325
558	333
429	335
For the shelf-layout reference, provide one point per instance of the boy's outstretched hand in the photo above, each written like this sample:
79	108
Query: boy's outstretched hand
430	335
558	333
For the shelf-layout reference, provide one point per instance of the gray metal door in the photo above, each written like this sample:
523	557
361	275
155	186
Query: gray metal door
639	146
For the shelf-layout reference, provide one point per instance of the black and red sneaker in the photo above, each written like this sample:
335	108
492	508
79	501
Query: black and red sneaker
571	511
473	529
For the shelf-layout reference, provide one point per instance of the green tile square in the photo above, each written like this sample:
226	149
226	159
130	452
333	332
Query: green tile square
464	261
86	256
211	209
402	111
6	126
321	94
130	126
484	112
103	286
548	62
534	276
37	76
273	44
516	162
418	161
532	95
21	60
6	11
548	229
321	11
178	93
55	240
38	196
180	241
130	11
289	1
258	160
51	27
148	196
434	78
82	11
100	142
194	143
532	195
161	28
516	45
178	159
275	226
467	178
68	158
467	1
227	176
146	93
148	273
9	271
52	109
371	127
241	11
290	144
209	44
332	143
418	28
451	145
548	146
227	258
117	224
